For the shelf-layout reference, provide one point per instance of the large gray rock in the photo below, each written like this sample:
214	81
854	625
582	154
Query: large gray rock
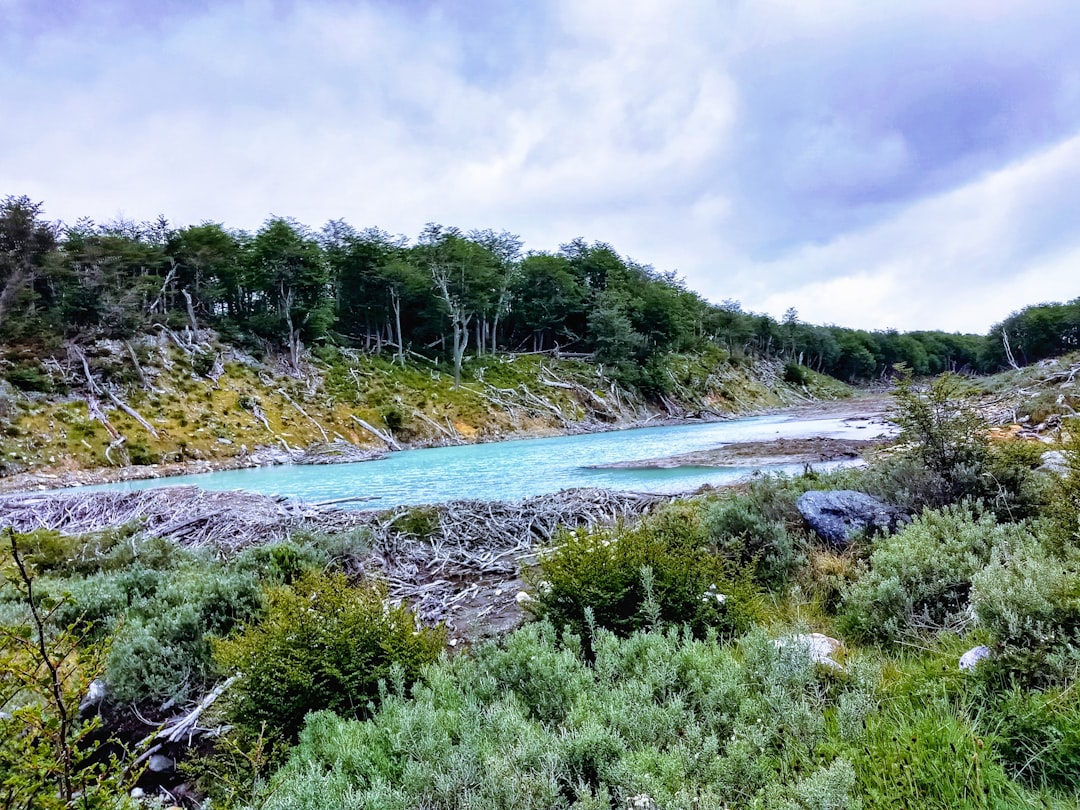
839	515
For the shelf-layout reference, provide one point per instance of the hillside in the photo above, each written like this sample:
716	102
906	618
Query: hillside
164	403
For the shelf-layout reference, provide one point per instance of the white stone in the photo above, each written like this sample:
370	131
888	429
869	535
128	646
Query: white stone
820	647
973	656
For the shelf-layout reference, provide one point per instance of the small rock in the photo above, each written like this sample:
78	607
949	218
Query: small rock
973	656
523	597
137	793
159	763
224	441
95	693
820	647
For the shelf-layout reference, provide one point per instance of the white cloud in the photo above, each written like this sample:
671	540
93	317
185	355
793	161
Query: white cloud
958	261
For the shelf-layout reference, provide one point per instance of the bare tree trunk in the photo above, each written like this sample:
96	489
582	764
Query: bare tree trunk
191	313
1008	349
459	318
287	299
395	302
159	302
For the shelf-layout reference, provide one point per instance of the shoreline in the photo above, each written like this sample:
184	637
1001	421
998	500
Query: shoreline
869	406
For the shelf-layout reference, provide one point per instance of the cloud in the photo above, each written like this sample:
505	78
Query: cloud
767	150
957	261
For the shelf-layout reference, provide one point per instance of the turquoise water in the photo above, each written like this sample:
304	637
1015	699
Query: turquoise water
517	469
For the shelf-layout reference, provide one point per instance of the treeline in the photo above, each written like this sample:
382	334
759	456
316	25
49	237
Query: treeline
1034	333
446	294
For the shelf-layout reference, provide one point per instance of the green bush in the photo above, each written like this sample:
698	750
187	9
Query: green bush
1028	598
796	374
741	533
1063	507
159	604
1038	736
163	649
947	455
599	572
658	720
281	563
321	644
29	378
921	577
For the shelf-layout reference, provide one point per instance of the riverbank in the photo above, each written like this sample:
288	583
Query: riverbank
870	409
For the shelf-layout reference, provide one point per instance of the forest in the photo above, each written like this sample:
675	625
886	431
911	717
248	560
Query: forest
444	294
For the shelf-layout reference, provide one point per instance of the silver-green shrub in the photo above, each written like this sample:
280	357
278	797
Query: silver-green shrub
1028	597
658	719
920	578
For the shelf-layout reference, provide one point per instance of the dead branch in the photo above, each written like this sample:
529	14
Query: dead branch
386	438
190	312
304	413
132	413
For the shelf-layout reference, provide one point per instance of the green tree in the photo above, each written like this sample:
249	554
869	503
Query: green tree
292	285
26	242
547	297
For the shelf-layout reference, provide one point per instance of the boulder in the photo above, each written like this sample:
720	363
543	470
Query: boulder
839	515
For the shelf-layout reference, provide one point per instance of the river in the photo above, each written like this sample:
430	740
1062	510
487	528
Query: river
510	470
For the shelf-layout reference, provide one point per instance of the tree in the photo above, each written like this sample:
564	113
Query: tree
25	245
207	263
547	296
464	276
292	285
505	248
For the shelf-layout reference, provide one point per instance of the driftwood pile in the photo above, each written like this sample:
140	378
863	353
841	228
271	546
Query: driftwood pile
475	542
186	515
432	557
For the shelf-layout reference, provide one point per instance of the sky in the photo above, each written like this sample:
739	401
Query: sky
908	164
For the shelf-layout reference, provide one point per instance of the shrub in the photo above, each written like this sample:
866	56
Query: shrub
658	720
1063	507
322	644
948	455
50	759
29	378
281	563
796	374
601	571
1028	597
740	532
418	521
163	648
1038	736
921	576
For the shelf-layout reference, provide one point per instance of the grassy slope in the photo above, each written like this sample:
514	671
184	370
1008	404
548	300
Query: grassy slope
200	419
